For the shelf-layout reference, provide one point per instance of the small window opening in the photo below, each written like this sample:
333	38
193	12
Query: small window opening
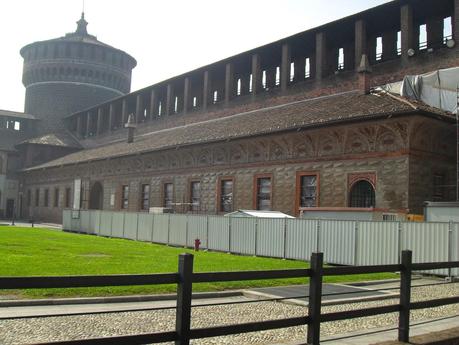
447	29
160	108
292	71
399	43
215	96
423	37
341	59
307	68
176	104
379	48
277	75
195	102
239	86
263	79
250	83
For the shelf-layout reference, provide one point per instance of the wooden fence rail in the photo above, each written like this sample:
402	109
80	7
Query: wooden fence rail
185	277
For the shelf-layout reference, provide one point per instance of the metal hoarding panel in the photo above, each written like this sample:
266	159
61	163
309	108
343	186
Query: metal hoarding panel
94	222
428	241
270	237
243	235
377	243
130	225
145	227
118	224
106	219
160	228
197	229
218	234
67	220
301	238
337	241
76	222
85	218
455	247
178	231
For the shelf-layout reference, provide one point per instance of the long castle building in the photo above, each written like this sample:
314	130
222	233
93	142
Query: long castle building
298	123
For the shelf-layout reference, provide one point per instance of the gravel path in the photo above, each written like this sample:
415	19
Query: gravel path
75	327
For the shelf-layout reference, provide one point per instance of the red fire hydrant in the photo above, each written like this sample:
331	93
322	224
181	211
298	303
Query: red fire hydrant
197	243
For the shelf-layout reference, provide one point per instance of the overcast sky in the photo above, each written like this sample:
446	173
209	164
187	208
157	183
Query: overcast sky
166	37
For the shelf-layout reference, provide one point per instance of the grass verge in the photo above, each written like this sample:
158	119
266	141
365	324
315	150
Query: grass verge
45	252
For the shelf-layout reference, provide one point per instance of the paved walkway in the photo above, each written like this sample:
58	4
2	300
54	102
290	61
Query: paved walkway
383	334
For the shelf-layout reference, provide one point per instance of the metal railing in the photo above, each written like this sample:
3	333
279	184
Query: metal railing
185	278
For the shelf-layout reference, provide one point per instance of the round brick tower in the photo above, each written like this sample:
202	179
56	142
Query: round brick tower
72	73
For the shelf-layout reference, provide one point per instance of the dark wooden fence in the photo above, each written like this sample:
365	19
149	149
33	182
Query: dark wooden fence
185	277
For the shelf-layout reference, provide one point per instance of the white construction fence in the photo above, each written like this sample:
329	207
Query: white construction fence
342	242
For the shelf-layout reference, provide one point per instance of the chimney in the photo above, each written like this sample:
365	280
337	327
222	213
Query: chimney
130	125
364	71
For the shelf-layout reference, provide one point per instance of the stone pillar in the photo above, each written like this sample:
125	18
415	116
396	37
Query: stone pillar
300	65
78	126
100	113
206	90
186	94
88	124
153	104
139	109
285	66
455	21
321	55
407	29
360	41
245	81
169	99
435	32
111	116
124	112
229	82
389	41
271	78
256	75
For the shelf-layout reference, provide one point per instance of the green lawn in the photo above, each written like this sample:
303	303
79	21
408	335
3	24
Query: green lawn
44	252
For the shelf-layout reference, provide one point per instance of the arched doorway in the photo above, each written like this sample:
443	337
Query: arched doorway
362	194
96	197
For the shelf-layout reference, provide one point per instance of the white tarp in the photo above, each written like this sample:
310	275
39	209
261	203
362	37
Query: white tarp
437	89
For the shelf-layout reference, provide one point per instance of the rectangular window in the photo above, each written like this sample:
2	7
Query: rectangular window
37	197
226	195
379	48
307	68
56	197
67	197
168	195
307	190
145	197
340	59
263	193
29	198
447	29
46	201
423	37
195	195
124	197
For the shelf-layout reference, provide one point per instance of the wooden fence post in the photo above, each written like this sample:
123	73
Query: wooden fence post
315	298
184	290
405	297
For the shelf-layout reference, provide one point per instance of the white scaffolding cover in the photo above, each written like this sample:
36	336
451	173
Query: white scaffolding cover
437	89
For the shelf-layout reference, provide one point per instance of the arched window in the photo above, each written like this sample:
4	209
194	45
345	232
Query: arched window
362	194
